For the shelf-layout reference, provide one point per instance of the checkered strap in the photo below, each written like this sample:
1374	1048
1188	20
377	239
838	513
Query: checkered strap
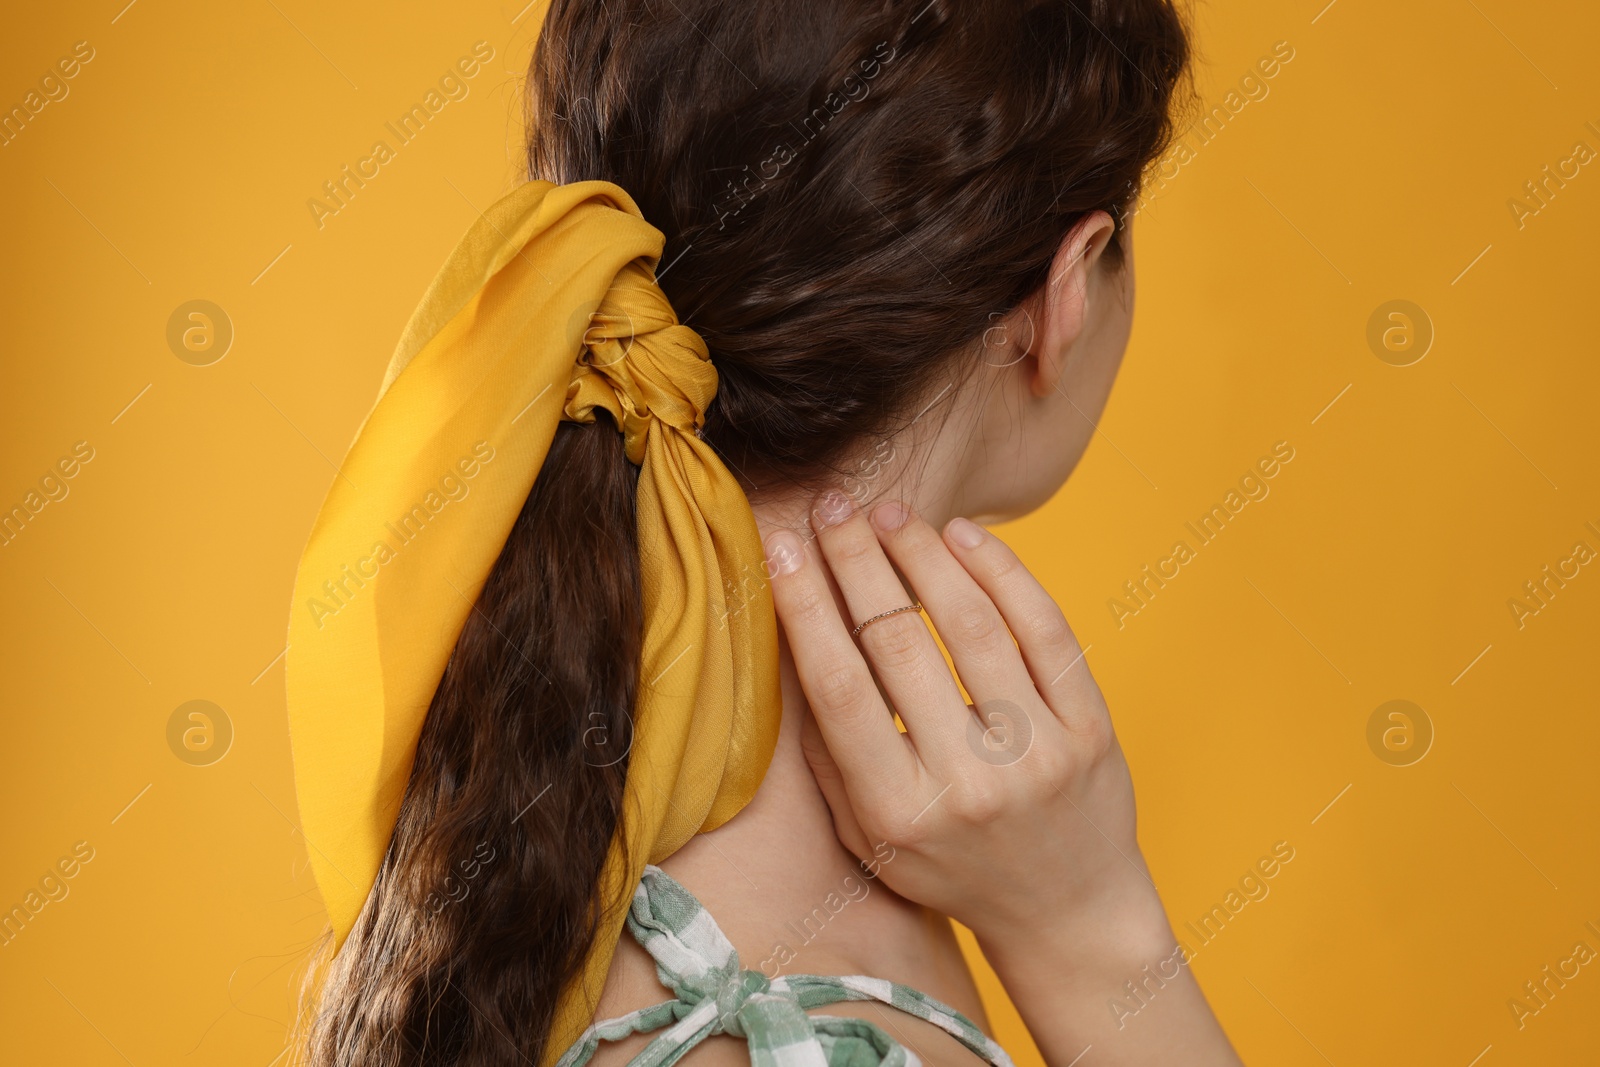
716	996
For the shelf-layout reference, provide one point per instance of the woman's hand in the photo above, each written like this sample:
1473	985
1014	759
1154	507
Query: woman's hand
996	814
1014	815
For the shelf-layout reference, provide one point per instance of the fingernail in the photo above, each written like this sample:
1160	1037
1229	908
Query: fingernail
784	553
965	533
833	508
890	516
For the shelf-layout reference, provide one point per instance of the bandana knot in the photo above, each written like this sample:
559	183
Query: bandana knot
639	363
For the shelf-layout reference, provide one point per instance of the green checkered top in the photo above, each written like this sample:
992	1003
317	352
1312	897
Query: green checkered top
716	996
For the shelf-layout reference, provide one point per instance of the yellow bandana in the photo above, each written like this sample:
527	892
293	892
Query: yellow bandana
546	310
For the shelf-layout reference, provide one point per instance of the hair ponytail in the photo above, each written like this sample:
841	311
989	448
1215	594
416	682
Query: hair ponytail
485	904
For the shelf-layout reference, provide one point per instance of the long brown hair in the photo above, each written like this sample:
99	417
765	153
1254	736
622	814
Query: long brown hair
849	189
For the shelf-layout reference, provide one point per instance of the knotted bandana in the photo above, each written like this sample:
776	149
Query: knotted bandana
546	310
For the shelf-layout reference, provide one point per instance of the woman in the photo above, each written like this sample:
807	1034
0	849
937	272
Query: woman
899	232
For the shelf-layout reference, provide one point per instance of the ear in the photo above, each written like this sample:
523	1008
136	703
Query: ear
1061	306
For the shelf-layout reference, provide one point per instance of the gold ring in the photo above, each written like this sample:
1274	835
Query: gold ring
884	615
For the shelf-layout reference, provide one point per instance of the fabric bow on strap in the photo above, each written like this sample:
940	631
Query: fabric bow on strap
716	996
547	310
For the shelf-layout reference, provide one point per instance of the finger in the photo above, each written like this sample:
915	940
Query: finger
900	648
846	827
873	758
971	627
1048	645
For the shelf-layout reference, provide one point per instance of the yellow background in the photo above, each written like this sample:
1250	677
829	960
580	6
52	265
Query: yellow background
1378	167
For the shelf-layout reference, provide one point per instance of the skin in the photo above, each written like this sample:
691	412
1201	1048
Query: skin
1034	847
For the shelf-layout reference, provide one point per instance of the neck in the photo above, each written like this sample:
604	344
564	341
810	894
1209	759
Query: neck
783	843
790	897
926	474
930	479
